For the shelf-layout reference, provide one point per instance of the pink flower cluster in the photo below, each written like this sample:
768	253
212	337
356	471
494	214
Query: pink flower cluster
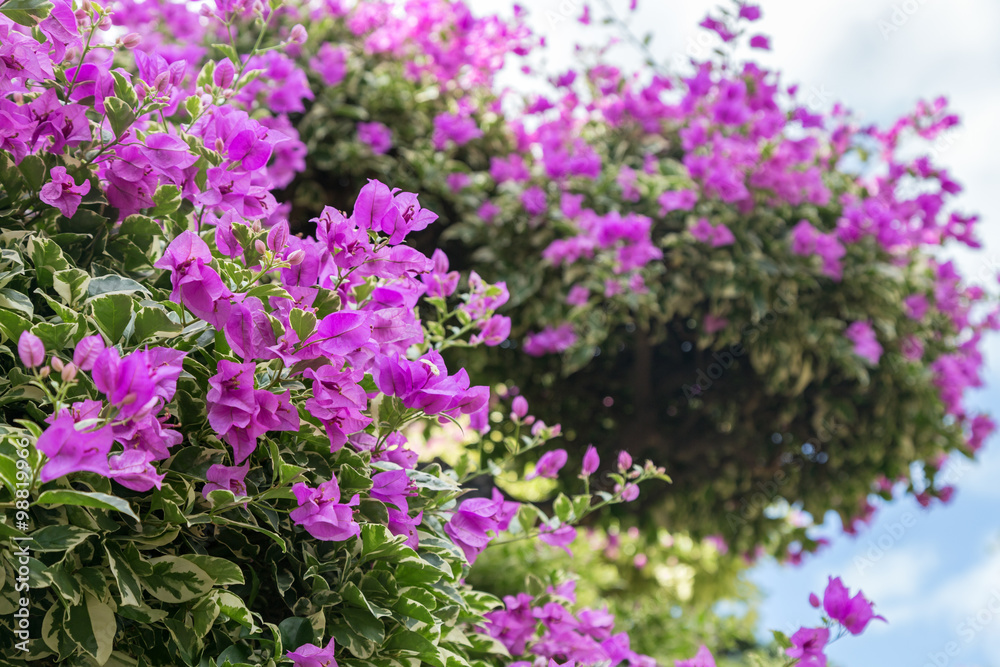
136	388
547	628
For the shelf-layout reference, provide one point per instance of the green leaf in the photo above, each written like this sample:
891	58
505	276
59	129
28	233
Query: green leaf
12	325
563	508
86	499
229	52
26	12
71	284
223	571
296	631
14	300
124	88
58	538
234	607
142	613
223	521
205	75
189	645
425	480
112	312
167	199
378	543
365	624
112	284
268	290
303	323
92	625
150	322
129	586
55	336
203	615
32	166
120	115
141	229
176	580
47	257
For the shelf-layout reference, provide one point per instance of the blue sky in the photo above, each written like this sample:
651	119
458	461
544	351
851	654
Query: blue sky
934	573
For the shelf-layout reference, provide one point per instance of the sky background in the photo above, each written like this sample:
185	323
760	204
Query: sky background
931	572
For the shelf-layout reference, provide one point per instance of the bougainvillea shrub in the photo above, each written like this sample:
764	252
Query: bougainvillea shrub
202	453
205	415
740	285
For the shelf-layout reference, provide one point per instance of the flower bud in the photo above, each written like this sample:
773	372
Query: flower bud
30	349
162	82
259	246
105	23
130	41
44	373
624	461
519	406
69	372
277	236
591	461
296	257
57	364
298	34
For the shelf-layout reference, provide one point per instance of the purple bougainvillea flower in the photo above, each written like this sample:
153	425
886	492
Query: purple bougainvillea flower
134	470
129	383
716	235
807	646
854	613
703	658
549	464
230	397
377	136
866	344
229	478
338	402
915	306
549	340
62	191
195	284
677	200
561	537
310	655
30	349
454	128
534	200
439	281
248	330
322	514
330	63
492	332
479	520
70	449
